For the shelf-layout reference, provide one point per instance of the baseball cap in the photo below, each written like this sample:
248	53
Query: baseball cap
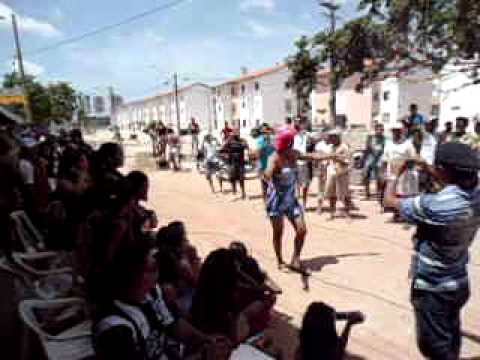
458	156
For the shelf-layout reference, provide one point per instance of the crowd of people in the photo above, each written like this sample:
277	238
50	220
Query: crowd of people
424	176
149	293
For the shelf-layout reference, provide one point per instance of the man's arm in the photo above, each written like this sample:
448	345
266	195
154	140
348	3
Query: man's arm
315	157
271	168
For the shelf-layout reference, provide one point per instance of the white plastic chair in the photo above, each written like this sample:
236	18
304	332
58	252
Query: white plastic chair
31	239
74	343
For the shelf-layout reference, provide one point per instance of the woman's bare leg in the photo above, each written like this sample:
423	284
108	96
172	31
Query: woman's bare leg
277	226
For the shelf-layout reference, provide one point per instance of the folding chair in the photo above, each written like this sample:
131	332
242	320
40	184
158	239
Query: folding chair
30	238
72	343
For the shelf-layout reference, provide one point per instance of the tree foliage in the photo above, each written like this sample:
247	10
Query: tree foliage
54	102
398	35
303	66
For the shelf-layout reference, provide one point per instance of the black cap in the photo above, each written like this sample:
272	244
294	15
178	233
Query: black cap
458	156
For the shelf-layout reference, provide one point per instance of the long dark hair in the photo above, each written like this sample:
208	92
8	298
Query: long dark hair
109	282
103	158
213	305
318	336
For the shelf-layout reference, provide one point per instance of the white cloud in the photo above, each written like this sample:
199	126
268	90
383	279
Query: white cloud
27	24
33	69
258	30
267	5
153	36
30	67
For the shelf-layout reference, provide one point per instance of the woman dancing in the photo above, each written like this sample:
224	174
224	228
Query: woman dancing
282	176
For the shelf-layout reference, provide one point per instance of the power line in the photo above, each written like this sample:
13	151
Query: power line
107	27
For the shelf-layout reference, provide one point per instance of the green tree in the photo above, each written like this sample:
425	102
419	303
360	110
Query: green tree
54	102
353	43
63	102
303	66
37	95
398	35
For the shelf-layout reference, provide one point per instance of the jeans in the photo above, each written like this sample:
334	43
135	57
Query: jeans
437	318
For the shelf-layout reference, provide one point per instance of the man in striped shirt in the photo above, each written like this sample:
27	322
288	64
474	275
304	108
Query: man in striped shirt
447	223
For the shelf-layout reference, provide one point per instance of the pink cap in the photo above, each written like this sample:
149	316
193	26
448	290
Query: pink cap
284	139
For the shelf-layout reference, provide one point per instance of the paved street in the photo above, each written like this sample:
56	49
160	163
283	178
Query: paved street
360	264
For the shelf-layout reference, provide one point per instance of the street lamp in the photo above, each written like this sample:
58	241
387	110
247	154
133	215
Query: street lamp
26	103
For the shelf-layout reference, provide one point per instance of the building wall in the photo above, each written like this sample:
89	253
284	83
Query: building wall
275	95
457	97
357	107
320	108
389	106
193	101
416	89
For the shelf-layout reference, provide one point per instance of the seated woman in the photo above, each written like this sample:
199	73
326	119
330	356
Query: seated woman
318	336
132	321
253	285
146	219
180	267
216	309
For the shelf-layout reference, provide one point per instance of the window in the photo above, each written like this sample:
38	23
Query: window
244	123
386	118
243	89
243	104
386	95
376	97
288	106
234	108
257	122
232	90
215	123
435	110
257	86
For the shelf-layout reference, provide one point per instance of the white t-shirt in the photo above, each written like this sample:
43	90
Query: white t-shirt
300	144
429	146
323	148
26	171
210	150
395	154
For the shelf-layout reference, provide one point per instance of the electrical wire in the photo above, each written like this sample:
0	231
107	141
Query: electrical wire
105	28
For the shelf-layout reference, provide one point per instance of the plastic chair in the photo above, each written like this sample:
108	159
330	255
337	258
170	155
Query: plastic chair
30	238
74	343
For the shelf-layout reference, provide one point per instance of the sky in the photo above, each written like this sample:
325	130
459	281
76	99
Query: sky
201	40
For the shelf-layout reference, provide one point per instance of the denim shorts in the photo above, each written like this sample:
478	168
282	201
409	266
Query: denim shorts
437	318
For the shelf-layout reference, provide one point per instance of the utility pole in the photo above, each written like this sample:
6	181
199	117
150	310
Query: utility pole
177	106
332	8
26	103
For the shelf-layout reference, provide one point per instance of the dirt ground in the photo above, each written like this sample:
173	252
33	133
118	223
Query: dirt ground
359	264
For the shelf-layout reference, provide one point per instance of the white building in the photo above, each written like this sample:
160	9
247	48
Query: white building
457	96
354	109
396	94
194	101
254	98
